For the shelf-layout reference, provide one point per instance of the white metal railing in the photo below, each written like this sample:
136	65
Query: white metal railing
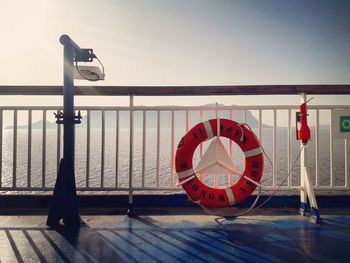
112	157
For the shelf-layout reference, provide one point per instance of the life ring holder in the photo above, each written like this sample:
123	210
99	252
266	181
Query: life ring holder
253	166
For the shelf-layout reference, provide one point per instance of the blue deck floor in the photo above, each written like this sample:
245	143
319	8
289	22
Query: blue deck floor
270	236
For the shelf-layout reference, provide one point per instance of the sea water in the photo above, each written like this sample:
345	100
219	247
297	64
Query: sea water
120	159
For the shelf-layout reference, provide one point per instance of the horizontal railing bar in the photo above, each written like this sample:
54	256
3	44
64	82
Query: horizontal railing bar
93	189
164	188
234	107
177	108
180	189
178	90
35	108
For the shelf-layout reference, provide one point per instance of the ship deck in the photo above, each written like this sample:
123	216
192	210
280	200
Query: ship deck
188	234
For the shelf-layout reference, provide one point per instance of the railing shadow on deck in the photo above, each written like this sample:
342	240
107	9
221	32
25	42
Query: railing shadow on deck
145	239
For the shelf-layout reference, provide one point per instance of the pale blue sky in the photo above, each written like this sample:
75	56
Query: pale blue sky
168	42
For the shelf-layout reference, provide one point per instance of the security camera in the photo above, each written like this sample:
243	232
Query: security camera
92	73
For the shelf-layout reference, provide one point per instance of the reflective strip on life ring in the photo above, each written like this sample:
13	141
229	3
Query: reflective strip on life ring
231	198
185	174
208	130
253	152
219	197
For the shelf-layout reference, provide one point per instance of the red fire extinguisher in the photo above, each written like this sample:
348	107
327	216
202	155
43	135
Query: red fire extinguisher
303	130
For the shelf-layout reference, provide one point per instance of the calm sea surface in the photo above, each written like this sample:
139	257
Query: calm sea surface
151	155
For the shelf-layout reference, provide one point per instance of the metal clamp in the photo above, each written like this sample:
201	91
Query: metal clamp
62	118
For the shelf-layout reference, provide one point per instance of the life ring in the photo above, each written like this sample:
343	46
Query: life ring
219	197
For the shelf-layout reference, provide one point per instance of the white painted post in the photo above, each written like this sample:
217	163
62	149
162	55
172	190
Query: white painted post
131	209
346	163
216	183
303	194
306	190
309	189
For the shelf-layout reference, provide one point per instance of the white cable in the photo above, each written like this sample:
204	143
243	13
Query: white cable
261	147
252	207
259	186
93	73
284	179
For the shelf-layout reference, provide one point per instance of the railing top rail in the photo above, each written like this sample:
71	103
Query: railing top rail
176	108
178	90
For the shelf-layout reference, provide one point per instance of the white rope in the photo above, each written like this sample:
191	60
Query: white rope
252	207
262	149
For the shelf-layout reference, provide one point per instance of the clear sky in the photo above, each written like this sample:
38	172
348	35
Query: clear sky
174	42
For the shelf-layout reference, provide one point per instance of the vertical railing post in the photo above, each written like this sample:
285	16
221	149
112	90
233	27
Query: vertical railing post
103	142
116	148
346	174
216	182
144	116
14	172
331	153
29	150
260	126
58	150
201	145
230	178
158	149
172	154
289	148
1	145
187	121
88	135
274	149
43	164
317	148
131	210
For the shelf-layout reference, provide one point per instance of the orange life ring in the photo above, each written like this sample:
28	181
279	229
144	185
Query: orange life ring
219	197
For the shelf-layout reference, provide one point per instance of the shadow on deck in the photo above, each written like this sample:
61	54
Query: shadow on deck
272	235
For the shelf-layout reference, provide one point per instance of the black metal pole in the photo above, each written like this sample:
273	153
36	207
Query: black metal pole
64	203
68	101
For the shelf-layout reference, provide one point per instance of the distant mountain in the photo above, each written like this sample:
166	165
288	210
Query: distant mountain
110	120
36	125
